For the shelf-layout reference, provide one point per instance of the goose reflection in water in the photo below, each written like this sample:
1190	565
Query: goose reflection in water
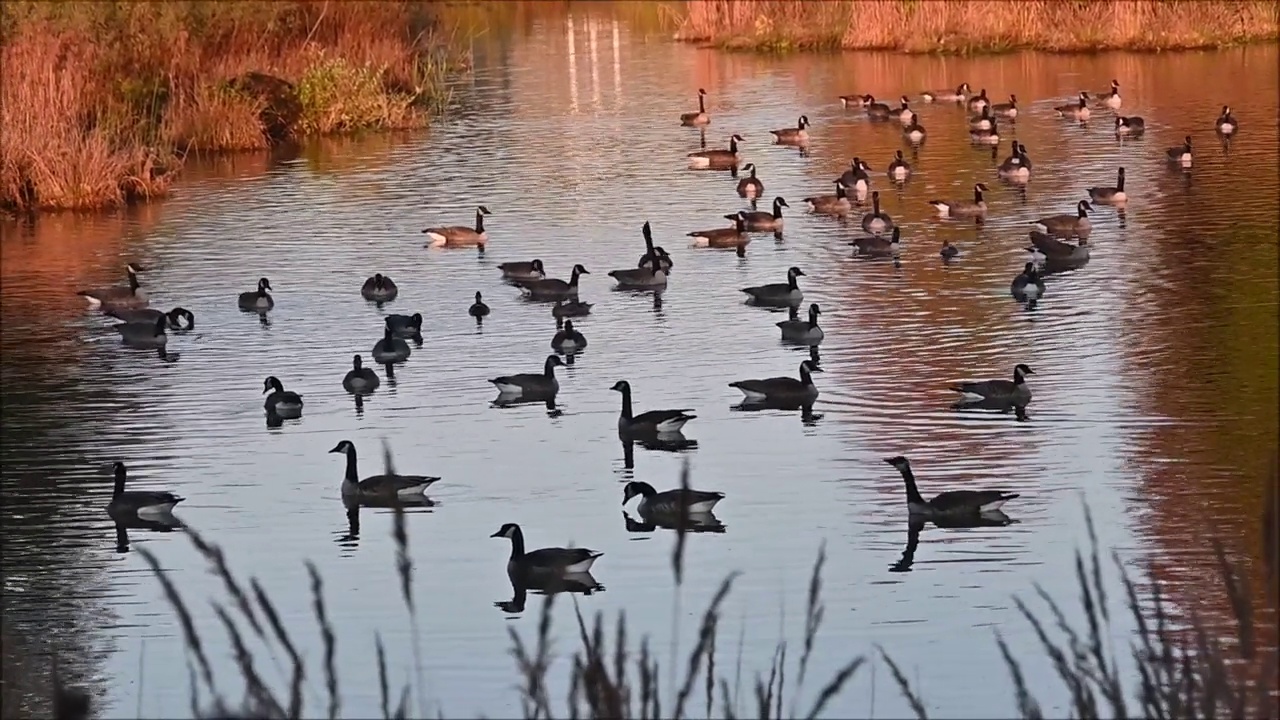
511	401
807	416
666	442
992	404
350	535
390	370
993	518
545	584
124	524
694	523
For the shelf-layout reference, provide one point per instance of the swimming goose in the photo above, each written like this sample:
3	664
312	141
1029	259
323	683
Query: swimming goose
803	331
750	187
174	317
1022	155
1110	195
716	159
285	403
360	379
1007	110
948	250
914	131
792	136
554	560
877	110
138	502
1013	168
532	384
1111	98
837	204
856	177
1078	110
957	95
1015	391
978	102
257	300
694	119
761	220
554	288
478	309
379	288
1028	284
665	263
903	113
899	169
1226	123
378	486
523	270
1056	250
963	208
877	246
1181	153
568	339
787	292
405	325
670	502
132	296
390	349
782	388
1068	225
981	121
646	277
950	503
144	334
459	235
729	237
570	308
876	222
989	136
1132	125
653	421
854	101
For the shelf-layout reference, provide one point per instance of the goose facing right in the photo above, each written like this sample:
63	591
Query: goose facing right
532	384
963	208
138	502
460	235
378	486
652	421
554	288
716	159
552	560
1110	195
797	135
1078	110
1006	110
788	292
876	246
360	379
1068	225
1180	153
803	331
132	296
950	503
523	270
257	300
695	119
390	349
1015	391
836	204
724	237
285	403
670	502
379	288
782	388
761	220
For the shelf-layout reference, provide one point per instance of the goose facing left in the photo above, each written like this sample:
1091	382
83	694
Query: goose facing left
717	159
132	296
950	503
138	502
652	421
259	300
378	486
285	403
782	388
379	288
670	502
460	235
532	384
553	560
787	292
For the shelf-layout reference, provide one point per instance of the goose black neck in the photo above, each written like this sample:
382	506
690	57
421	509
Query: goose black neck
909	478
1018	377
645	489
549	369
977	195
840	193
626	403
387	335
777	209
875	204
1120	181
702	104
573	278
120	478
753	172
813	318
805	376
1081	213
648	244
133	282
733	145
517	543
352	474
791	281
479	221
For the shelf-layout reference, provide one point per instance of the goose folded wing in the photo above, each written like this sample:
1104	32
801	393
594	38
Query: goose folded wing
683	496
140	315
954	500
770	386
986	387
394	483
772	288
559	557
521	380
143	498
657	417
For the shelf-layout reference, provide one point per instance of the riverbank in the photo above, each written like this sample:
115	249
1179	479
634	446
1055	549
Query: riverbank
977	26
103	100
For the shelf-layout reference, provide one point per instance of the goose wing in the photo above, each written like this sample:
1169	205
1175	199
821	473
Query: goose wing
559	557
770	289
519	380
135	315
376	484
449	231
973	500
797	325
148	497
544	285
1057	220
657	417
633	275
757	216
986	388
770	386
713	155
672	500
872	244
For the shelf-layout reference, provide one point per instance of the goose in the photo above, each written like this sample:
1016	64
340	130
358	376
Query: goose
132	296
856	177
568	339
761	220
877	246
787	292
649	276
653	421
1111	98
1131	125
285	403
1027	285
390	349
670	502
405	325
981	121
1022	155
554	288
899	169
950	503
178	318
782	388
1068	225
523	270
978	102
1013	168
695	119
990	136
837	204
957	95
803	331
360	379
963	208
729	237
1056	250
570	308
877	110
459	235
663	258
138	502
1181	153
552	560
1006	110
914	131
708	159
478	309
1078	110
532	384
752	186
1110	195
876	222
792	136
144	334
379	288
948	250
1226	124
378	486
854	101
1015	390
257	300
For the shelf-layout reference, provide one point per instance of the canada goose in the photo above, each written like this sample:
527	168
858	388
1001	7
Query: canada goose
853	101
1112	195
554	288
174	317
360	379
963	208
568	339
948	250
285	403
978	102
760	220
1181	153
876	222
694	119
647	277
570	308
803	331
138	502
132	296
787	292
405	325
459	235
1007	110
665	263
379	288
1013	168
1017	390
877	246
903	113
729	237
1226	123
837	204
378	486
1078	110
950	503
258	300
554	560
1028	284
957	95
716	159
1132	125
390	349
144	334
877	110
1022	155
1111	98
782	388
899	169
653	421
792	136
752	186
523	270
478	309
531	384
1056	250
989	136
856	177
914	131
982	121
1068	225
670	502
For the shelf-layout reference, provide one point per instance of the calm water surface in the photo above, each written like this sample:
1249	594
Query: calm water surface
1155	387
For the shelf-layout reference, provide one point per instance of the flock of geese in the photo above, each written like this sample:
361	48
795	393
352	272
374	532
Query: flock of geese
1061	241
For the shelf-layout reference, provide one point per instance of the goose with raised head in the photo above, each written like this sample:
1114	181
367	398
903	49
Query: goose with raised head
773	293
567	339
1027	285
570	308
1023	156
761	220
899	168
750	186
963	208
914	132
856	177
138	502
1226	124
988	136
1068	225
803	331
960	94
724	237
652	421
650	273
390	349
1130	125
877	110
877	246
837	204
460	235
405	325
696	119
950	503
782	388
1006	110
982	121
1013	168
360	379
1180	153
1110	195
717	159
132	296
1111	98
797	135
670	502
653	252
478	308
378	486
259	300
978	102
554	288
285	403
903	112
876	222
379	288
144	334
523	270
178	318
1078	110
1013	391
552	560
532	384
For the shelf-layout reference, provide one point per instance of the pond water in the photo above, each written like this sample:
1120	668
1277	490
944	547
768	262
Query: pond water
1155	384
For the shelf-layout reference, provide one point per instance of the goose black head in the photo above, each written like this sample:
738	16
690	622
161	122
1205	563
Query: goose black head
419	320
357	362
271	383
117	468
132	267
739	138
648	233
814	309
635	488
1024	369
803	122
780	202
794	272
537	265
581	270
621	386
345	445
749	167
898	461
554	360
1085	206
981	187
702	91
483	210
508	530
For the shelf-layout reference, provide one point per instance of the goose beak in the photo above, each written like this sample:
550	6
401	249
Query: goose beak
337	448
497	534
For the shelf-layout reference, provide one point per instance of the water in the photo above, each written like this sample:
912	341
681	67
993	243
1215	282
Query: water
1155	386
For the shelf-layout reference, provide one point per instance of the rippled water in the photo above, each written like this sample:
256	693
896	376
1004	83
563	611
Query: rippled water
1155	386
